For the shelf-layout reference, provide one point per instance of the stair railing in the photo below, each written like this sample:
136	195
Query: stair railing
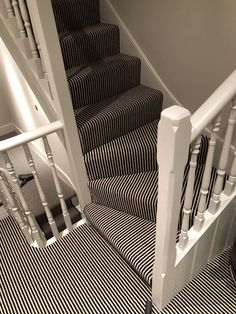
200	241
14	199
36	19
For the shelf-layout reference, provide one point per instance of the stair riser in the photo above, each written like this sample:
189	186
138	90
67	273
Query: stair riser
90	45
105	82
97	133
79	13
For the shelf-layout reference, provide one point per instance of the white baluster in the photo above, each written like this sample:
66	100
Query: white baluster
199	219
14	210
42	196
9	8
28	27
37	233
231	183
19	19
215	199
65	212
183	240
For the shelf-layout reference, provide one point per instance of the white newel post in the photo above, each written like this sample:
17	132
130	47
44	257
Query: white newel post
174	133
47	35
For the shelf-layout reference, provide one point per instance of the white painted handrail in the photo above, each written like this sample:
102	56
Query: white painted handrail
213	106
30	136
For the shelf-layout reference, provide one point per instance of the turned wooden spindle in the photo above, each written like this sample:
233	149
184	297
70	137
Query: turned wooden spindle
231	183
9	8
218	188
11	205
37	233
19	20
183	239
42	196
27	23
60	195
199	219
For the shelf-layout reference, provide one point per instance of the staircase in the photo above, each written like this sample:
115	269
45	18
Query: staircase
117	120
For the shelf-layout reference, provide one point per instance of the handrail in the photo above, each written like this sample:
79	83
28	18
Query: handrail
30	136
213	105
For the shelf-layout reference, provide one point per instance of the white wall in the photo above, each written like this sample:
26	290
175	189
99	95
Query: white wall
191	44
24	109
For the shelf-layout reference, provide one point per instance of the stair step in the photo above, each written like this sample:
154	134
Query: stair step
75	216
133	152
134	194
75	14
116	116
89	44
107	77
132	237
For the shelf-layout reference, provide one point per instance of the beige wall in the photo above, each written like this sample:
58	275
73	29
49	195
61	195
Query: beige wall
190	43
5	114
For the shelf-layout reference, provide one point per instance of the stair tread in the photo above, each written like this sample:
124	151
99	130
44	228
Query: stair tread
89	44
133	152
133	237
115	116
103	79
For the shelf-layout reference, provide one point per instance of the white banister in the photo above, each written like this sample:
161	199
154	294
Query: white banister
9	8
231	183
36	232
19	20
174	134
28	27
14	210
224	157
60	195
42	13
183	240
200	217
30	136
42	196
213	106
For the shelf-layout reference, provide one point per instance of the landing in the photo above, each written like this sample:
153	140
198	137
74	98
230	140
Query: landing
81	274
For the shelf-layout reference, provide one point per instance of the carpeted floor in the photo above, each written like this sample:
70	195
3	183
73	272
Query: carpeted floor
81	273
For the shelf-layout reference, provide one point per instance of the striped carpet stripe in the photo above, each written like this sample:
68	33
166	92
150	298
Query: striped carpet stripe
89	44
75	14
116	116
82	274
92	83
132	153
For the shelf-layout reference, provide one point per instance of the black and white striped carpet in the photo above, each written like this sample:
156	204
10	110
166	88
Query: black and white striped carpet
81	273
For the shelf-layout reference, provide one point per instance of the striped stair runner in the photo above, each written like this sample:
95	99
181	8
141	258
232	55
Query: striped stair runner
117	121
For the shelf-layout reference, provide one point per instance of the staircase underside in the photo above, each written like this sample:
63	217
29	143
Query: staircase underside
81	273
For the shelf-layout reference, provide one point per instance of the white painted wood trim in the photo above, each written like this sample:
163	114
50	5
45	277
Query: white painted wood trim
213	106
30	136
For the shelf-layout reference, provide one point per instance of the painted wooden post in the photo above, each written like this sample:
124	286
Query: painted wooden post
9	8
44	19
42	196
14	210
231	183
218	188
60	195
174	134
199	219
19	19
28	28
183	239
37	233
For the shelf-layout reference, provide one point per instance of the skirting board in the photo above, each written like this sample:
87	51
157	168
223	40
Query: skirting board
129	45
8	128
